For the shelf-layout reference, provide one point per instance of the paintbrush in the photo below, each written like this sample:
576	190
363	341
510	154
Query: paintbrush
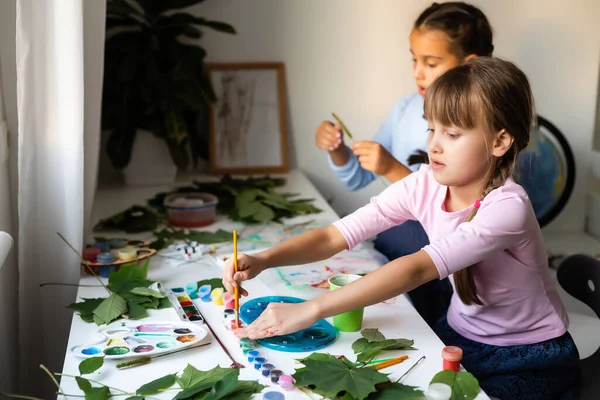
389	363
147	360
236	289
345	128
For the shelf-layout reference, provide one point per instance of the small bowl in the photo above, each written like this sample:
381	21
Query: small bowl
191	210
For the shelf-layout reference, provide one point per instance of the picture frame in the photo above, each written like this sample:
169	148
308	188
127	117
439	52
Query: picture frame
248	122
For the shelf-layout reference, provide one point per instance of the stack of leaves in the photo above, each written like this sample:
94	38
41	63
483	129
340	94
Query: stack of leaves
168	236
332	378
251	200
373	341
215	384
129	295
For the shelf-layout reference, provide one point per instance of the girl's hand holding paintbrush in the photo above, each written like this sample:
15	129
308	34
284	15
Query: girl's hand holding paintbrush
249	266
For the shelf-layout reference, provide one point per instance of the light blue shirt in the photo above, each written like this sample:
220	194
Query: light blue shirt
403	132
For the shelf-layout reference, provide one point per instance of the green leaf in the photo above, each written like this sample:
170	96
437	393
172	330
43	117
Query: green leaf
359	345
245	197
396	391
331	376
145	291
194	381
135	398
372	348
157	385
204	237
463	384
83	384
164	303
244	390
372	335
225	386
125	274
214	283
136	311
344	127
97	393
110	309
90	365
264	214
249	209
86	308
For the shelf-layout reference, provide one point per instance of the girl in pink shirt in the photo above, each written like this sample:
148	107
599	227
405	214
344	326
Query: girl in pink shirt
505	312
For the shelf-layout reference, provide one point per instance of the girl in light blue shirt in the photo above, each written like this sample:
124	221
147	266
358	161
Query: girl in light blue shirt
443	36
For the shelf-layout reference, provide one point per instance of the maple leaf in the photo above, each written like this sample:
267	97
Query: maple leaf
463	384
331	376
396	391
373	342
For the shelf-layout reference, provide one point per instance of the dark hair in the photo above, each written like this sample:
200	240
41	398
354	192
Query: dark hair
494	94
467	27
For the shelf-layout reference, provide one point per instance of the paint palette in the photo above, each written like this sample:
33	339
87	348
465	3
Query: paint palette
320	335
135	338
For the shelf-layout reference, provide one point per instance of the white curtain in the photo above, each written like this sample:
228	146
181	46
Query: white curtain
8	271
58	114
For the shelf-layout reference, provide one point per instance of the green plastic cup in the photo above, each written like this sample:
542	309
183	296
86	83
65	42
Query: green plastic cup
350	321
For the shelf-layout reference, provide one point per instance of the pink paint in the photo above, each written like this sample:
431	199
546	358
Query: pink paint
228	300
286	382
155	328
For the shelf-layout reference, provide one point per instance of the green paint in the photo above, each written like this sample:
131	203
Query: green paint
116	351
151	334
282	277
165	345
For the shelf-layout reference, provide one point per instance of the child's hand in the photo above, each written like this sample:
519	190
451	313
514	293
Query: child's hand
280	319
373	157
328	136
248	268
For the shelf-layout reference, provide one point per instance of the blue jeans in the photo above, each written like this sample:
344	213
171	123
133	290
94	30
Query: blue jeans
432	299
548	370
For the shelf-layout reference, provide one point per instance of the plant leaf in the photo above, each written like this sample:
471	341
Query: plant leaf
156	385
331	376
249	209
214	283
463	384
194	381
372	335
372	348
97	393
359	345
136	311
111	308
86	308
204	237
83	384
135	398
264	214
90	365
225	386
396	391
145	291
244	390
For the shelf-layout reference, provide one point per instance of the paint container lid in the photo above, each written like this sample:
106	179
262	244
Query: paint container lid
178	290
204	290
268	367
116	243
229	311
227	297
452	353
286	378
191	287
273	396
260	360
253	353
439	391
91	253
106	257
206	299
193	295
103	246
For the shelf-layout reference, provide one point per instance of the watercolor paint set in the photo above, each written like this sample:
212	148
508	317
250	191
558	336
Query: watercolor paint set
124	339
320	335
182	300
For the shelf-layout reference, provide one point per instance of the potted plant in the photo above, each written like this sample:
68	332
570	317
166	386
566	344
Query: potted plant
156	87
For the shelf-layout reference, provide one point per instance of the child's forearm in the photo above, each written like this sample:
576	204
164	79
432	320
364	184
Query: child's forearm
340	155
397	172
314	245
394	278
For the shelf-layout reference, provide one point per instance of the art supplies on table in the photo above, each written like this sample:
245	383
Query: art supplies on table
318	336
107	256
126	339
183	303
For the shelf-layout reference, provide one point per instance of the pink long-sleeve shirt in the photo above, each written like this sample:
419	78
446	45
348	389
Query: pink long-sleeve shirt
504	241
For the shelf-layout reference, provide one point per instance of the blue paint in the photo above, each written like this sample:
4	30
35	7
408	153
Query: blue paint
90	351
273	396
178	290
106	257
103	246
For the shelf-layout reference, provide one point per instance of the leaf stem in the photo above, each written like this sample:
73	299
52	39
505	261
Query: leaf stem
43	367
81	261
19	396
66	284
91	380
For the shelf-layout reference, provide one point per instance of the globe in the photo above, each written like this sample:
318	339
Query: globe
546	170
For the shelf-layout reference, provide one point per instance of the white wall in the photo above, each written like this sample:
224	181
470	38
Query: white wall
352	57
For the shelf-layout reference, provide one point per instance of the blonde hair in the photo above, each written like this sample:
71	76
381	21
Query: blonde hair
494	94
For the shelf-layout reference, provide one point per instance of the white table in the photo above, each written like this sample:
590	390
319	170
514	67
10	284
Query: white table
394	321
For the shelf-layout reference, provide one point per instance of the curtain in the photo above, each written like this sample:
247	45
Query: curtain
59	133
8	270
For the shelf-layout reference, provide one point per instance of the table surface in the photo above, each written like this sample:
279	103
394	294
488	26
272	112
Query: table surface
395	319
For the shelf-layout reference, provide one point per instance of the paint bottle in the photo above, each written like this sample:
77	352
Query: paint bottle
258	362
217	296
265	369
452	356
91	253
127	253
273	396
228	300
252	354
275	374
286	382
106	258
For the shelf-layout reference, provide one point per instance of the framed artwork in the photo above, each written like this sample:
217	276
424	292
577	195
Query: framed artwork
247	123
